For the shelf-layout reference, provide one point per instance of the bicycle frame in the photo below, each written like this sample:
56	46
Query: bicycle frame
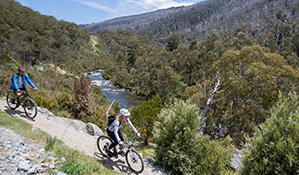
133	158
23	100
128	144
25	95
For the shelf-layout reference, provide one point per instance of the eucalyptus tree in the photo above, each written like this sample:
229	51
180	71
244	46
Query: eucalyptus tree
173	42
250	80
252	77
145	115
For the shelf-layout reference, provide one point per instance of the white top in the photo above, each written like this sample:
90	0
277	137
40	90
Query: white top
20	82
114	127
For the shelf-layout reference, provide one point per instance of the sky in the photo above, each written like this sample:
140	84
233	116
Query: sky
93	11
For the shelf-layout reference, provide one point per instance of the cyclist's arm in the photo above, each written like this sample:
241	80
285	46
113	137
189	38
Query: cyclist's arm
132	126
15	83
29	81
116	128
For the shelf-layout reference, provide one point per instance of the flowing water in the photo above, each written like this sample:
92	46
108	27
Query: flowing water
125	98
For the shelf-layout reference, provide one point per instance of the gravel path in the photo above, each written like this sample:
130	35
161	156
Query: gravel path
71	136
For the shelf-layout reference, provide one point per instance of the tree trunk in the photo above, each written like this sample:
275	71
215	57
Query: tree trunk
207	107
146	138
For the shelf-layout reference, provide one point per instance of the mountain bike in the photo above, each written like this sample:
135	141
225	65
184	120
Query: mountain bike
24	100
133	158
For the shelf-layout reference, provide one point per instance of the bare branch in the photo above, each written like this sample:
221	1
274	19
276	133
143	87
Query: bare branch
209	101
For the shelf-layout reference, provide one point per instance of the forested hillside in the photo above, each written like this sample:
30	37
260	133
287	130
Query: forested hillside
259	19
28	36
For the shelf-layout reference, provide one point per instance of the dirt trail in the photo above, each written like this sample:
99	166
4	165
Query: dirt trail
76	139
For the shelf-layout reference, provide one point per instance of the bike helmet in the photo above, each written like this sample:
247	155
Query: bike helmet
21	69
124	112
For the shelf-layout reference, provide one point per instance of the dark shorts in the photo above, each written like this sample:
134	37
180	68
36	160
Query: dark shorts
112	136
21	89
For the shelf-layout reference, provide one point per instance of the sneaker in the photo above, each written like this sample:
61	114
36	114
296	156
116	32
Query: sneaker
122	153
12	101
109	153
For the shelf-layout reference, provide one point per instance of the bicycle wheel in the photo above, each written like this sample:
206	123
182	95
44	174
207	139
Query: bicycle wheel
135	161
30	108
103	143
9	96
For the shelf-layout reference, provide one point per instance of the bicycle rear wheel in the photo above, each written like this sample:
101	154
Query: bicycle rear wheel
103	143
9	97
135	161
30	108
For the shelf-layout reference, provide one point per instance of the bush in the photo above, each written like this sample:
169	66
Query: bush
63	100
44	99
181	148
82	102
50	143
71	166
275	150
213	157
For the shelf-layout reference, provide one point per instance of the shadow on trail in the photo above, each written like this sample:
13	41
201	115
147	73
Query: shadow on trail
14	112
116	163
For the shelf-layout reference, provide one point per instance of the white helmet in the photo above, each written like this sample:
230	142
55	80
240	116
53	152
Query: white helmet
124	112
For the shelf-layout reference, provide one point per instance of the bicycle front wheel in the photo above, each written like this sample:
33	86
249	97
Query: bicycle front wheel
103	143
135	161
13	104
30	108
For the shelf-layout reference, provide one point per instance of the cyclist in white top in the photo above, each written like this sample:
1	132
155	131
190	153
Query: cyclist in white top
114	132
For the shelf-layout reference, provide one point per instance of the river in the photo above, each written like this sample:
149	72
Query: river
125	98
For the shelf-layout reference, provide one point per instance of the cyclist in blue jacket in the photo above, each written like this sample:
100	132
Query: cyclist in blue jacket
19	83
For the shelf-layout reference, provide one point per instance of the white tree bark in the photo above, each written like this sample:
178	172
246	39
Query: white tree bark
209	102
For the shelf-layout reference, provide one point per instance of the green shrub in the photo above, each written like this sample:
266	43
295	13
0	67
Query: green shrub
275	150
71	166
50	143
63	100
44	99
213	157
181	148
5	58
106	76
99	97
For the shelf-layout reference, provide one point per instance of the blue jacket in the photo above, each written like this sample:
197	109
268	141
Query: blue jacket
14	84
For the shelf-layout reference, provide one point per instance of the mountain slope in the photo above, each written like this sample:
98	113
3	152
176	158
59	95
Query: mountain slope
200	18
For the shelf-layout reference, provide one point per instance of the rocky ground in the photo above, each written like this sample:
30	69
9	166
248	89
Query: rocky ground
20	155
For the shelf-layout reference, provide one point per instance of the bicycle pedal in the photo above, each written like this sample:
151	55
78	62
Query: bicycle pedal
122	154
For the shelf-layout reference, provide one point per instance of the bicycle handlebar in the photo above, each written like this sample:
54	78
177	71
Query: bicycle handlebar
129	140
29	90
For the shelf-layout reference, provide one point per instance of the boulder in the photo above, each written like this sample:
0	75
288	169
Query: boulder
93	129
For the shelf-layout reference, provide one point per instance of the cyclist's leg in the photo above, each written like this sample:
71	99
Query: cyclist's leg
120	135
122	139
112	136
17	94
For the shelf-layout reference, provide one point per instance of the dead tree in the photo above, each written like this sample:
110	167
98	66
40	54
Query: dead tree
209	101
